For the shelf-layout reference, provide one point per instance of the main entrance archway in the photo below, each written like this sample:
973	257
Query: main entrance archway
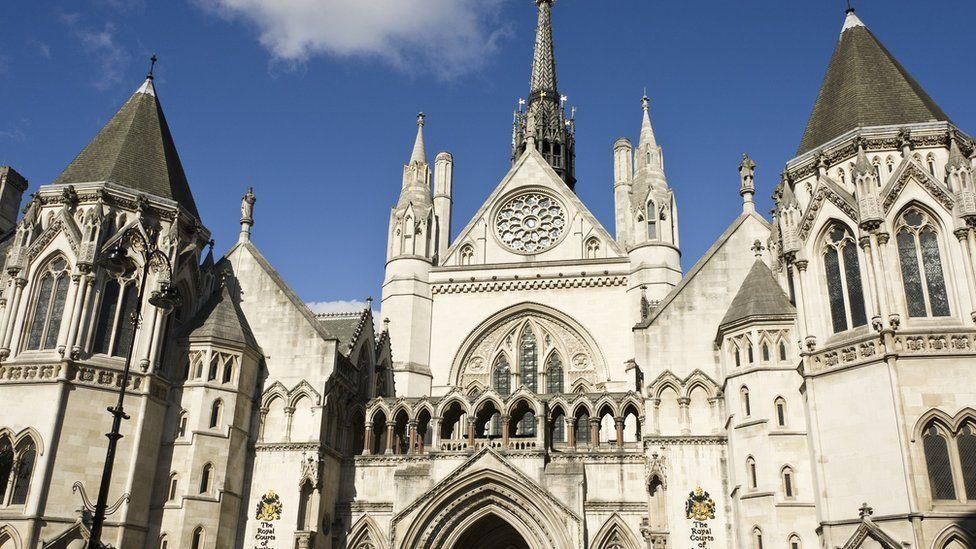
491	532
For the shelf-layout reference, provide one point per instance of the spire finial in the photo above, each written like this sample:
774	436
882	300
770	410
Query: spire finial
152	66
419	154
850	9
747	183
645	101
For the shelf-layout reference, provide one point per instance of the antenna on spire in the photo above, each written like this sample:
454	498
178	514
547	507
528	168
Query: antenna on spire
152	66
850	9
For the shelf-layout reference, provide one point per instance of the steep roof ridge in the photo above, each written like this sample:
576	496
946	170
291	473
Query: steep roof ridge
758	296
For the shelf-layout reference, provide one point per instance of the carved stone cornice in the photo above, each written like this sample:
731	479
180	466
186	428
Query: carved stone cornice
528	284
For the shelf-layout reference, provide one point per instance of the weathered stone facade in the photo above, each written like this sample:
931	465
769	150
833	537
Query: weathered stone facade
537	382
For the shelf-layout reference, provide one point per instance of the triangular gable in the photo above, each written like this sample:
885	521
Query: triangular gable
690	276
531	159
909	170
61	223
75	532
299	305
827	189
868	529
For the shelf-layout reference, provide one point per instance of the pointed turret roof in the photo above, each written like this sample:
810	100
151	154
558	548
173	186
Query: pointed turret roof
647	132
865	86
221	318
760	296
135	150
419	150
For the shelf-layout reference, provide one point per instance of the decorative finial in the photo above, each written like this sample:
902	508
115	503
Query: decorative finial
152	66
211	244
645	101
386	324
865	510
850	9
757	248
420	118
747	184
369	302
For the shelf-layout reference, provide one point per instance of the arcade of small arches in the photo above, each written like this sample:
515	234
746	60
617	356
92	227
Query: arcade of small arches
522	421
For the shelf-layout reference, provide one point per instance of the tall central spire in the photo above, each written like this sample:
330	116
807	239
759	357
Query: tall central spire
543	124
544	59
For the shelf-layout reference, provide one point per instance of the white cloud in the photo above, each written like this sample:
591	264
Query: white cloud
103	47
340	306
447	37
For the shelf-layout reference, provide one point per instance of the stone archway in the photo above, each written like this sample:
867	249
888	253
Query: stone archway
505	500
491	532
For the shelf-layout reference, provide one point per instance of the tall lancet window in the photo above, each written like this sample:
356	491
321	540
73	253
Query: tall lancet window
48	305
501	380
938	464
529	361
651	221
114	330
843	273
921	265
554	375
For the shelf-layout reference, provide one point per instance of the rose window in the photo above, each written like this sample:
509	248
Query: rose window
530	223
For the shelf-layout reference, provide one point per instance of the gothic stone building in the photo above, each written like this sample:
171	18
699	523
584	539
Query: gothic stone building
537	382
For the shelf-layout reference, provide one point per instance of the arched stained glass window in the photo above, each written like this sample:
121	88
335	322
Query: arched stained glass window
529	361
937	464
559	427
114	330
921	265
966	442
554	375
842	269
501	379
25	456
780	412
49	306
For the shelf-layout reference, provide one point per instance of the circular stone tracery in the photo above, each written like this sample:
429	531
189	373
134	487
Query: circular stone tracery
530	223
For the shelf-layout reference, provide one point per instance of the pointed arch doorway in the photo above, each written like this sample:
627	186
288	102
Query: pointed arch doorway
491	532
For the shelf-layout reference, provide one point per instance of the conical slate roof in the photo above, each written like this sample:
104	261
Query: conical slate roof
222	318
759	296
865	86
135	150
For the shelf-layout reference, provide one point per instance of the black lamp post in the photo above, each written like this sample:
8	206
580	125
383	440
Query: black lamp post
117	262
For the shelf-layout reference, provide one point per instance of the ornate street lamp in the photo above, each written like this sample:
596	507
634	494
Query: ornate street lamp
117	262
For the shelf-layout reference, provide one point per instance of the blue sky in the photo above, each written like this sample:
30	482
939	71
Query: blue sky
315	107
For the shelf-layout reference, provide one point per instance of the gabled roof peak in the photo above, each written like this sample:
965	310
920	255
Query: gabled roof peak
851	21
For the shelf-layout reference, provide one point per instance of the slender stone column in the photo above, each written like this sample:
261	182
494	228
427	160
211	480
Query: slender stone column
412	427
81	288
619	423
289	415
571	432
471	433
801	304
685	416
872	301
71	306
19	284
390	425
882	239
78	345
504	421
435	433
368	447
594	432
963	236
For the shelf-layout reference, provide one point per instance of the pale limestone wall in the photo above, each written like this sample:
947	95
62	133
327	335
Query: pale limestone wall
690	466
295	349
682	337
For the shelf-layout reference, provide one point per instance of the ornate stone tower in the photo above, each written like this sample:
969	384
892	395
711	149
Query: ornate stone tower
646	213
411	250
543	124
